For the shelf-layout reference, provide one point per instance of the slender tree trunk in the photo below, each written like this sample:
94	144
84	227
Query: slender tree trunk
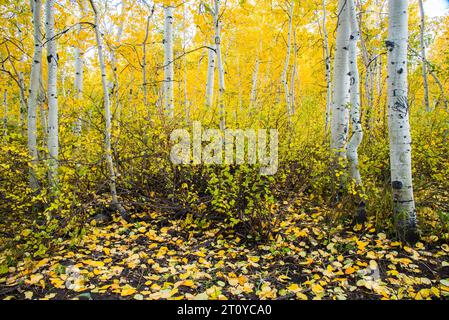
53	126
253	96
5	110
22	98
144	60
379	57
340	115
423	54
35	78
287	59
115	81
220	67
293	78
168	62
184	38
210	78
41	98
398	121
78	83
354	88
108	118
327	63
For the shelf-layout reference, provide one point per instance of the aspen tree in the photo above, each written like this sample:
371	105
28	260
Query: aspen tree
5	110
78	83
35	77
220	67
210	77
327	64
253	95
52	93
108	117
423	55
184	40
168	62
340	99
144	58
287	58
398	121
354	87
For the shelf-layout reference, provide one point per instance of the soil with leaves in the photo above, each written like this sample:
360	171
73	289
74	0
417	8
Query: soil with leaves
306	258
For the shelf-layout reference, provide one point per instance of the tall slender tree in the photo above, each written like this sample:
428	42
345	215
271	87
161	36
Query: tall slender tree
5	110
354	88
210	77
108	118
327	64
35	76
220	66
423	55
287	57
340	99
79	75
52	93
168	62
398	121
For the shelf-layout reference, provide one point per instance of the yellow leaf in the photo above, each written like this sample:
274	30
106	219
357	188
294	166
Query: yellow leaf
127	291
35	278
93	263
317	289
294	287
349	270
301	296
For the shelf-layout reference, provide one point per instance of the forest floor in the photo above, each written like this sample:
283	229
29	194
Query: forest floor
167	259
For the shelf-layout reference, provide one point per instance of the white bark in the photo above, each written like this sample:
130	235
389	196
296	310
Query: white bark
184	36
398	120
115	81
107	111
144	60
220	67
168	62
253	95
210	78
5	110
53	126
23	103
287	58
340	115
357	133
423	55
327	63
78	83
35	77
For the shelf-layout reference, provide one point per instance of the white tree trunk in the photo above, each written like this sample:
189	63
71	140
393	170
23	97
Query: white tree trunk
287	59
423	55
107	111
340	115
5	110
327	64
144	60
35	77
184	38
53	126
253	96
78	83
354	88
23	102
168	62
220	67
210	78
398	121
